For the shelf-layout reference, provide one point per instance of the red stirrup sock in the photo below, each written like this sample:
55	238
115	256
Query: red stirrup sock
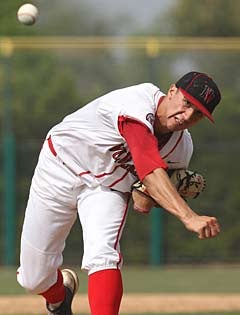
55	293
105	292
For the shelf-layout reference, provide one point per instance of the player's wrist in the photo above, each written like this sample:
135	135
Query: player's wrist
186	218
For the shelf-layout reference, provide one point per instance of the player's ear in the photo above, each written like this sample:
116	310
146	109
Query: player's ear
172	90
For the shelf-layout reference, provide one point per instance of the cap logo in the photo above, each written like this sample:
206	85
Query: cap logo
207	94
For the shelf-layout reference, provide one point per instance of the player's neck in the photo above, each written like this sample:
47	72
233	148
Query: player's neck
159	130
160	127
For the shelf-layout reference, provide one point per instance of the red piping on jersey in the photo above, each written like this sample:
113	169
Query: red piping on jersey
179	139
51	147
160	101
105	174
84	173
110	173
118	180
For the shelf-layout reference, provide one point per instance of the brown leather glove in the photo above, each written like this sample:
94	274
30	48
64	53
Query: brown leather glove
189	184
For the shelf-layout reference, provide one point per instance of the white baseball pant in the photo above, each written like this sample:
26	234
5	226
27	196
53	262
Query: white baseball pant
56	196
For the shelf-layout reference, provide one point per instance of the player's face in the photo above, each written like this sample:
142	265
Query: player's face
180	113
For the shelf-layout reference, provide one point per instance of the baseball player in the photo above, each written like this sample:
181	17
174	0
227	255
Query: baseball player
87	167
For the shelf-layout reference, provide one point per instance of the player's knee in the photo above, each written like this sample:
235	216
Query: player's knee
32	283
30	286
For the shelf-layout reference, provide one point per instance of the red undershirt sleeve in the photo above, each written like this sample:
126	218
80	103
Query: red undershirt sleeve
142	145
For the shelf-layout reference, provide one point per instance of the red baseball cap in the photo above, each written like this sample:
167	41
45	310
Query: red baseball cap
201	91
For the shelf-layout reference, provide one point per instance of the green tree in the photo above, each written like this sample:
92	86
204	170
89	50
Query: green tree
205	18
209	18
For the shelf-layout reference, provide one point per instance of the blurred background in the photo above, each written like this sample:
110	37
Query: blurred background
79	50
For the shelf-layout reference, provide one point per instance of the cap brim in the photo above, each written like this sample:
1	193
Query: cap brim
196	103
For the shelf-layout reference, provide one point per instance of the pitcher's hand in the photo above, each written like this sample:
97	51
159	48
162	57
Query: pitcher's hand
204	226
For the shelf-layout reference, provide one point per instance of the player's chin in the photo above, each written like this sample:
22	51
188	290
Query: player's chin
176	127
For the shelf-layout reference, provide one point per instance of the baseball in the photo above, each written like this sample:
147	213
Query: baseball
27	14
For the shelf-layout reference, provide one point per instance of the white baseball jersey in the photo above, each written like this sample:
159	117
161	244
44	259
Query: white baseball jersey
89	142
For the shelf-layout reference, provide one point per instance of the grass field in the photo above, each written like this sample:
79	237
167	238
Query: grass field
211	313
223	280
184	279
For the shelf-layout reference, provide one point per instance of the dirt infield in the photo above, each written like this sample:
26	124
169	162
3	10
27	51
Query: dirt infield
132	303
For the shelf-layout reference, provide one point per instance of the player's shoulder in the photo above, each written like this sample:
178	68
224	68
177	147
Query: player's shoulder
178	150
148	91
187	141
148	86
181	137
187	133
183	140
187	136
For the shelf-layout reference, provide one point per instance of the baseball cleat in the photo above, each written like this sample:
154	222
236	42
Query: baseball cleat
71	284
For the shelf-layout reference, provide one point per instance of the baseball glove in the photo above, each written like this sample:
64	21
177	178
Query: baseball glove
189	184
